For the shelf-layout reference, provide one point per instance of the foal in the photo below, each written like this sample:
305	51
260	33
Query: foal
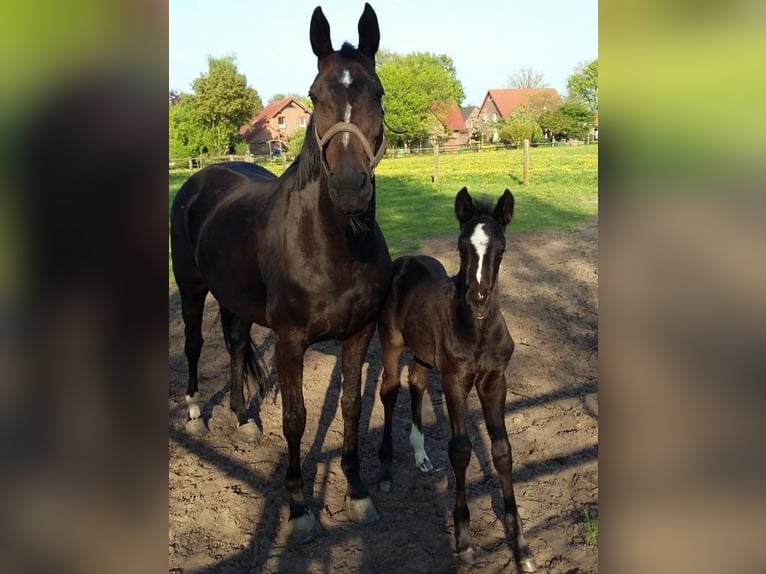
455	325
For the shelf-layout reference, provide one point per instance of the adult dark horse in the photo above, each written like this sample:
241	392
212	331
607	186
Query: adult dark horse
455	325
301	254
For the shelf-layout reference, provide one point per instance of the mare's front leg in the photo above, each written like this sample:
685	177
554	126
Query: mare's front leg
492	392
455	391
360	507
289	348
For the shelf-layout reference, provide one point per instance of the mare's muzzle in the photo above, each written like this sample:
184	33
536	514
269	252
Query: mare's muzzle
350	187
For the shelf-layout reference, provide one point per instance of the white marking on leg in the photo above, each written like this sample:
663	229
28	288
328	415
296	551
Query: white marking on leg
347	119
345	79
417	440
479	240
193	402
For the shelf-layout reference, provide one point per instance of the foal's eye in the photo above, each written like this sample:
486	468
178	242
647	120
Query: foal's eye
379	95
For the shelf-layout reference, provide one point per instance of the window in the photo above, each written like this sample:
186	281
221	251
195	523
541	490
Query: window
494	117
302	122
282	122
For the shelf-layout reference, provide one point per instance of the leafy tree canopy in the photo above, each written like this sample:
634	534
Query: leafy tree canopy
583	84
417	86
207	121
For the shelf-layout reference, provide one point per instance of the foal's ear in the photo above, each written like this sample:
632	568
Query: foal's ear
320	34
504	208
369	32
463	206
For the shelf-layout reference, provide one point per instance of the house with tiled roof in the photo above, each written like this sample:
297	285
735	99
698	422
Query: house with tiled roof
500	104
450	126
274	124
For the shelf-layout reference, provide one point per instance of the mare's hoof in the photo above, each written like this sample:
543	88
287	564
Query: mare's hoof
196	427
385	485
468	556
362	510
426	466
528	565
249	431
303	529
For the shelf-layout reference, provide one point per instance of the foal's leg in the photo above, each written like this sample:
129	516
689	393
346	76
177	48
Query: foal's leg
237	334
192	308
289	348
418	381
360	507
392	345
492	392
456	390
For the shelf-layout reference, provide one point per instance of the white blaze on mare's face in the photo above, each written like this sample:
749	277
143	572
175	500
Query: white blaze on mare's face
346	118
479	240
345	79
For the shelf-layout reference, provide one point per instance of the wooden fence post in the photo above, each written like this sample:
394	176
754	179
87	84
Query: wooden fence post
526	162
436	162
190	165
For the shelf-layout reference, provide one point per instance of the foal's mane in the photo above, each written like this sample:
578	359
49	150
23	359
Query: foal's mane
307	165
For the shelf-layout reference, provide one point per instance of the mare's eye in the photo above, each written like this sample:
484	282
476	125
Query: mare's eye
379	95
312	97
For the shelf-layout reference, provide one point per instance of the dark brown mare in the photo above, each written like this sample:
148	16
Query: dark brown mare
455	325
301	254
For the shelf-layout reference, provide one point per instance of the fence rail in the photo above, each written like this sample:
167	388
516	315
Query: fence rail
195	163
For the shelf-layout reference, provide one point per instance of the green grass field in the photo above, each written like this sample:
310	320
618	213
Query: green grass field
562	191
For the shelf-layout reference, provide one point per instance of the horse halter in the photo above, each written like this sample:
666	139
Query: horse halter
351	128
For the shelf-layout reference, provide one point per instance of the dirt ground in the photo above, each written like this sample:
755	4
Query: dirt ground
226	500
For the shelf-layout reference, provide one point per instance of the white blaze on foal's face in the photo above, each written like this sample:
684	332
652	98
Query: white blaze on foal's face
479	240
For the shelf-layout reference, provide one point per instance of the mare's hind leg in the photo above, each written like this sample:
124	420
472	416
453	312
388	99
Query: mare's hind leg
236	332
354	349
392	345
418	381
192	309
492	392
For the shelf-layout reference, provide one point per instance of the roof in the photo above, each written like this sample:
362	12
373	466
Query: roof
454	119
261	120
507	100
448	113
466	111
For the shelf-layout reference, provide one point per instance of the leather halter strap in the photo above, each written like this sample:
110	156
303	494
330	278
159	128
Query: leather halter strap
351	128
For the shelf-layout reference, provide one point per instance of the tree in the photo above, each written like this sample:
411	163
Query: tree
519	126
223	102
417	86
572	119
583	84
524	78
295	142
187	134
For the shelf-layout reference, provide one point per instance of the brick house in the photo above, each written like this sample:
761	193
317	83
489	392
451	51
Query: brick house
499	104
274	125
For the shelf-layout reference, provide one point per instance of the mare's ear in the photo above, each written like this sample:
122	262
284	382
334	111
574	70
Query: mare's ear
504	209
369	33
463	206
320	34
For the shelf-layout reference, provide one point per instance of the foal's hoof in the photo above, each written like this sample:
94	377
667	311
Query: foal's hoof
249	431
303	529
468	556
362	510
426	466
528	565
196	427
